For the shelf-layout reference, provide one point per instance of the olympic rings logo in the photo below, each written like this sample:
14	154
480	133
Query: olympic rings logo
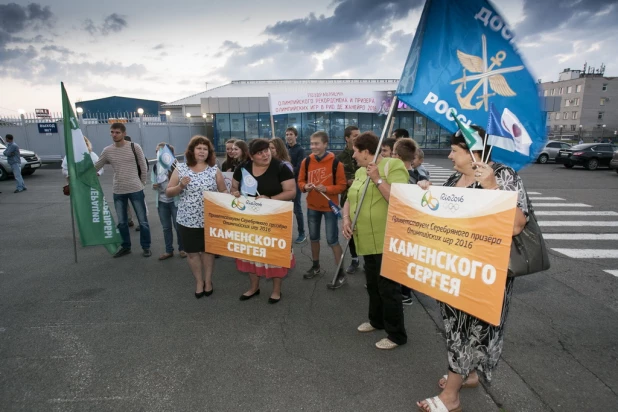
238	204
453	207
431	202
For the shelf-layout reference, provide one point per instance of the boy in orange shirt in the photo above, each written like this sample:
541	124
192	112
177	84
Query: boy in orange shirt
322	172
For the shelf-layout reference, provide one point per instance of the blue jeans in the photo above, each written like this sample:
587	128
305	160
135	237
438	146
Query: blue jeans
298	211
17	174
167	216
121	203
314	221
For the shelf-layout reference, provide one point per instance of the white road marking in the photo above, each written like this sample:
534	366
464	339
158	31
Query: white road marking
580	236
612	272
546	198
554	223
560	205
574	213
534	193
589	253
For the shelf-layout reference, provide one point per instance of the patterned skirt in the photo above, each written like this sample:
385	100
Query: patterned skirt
472	343
262	269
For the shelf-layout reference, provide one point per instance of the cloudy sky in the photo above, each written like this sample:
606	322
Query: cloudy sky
166	50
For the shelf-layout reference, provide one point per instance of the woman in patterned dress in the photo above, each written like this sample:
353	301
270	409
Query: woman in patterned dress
474	346
275	181
189	180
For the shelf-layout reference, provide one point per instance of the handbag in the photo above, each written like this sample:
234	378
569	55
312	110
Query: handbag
528	250
66	190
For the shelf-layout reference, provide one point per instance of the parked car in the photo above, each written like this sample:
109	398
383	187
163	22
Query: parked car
550	151
614	163
29	163
589	155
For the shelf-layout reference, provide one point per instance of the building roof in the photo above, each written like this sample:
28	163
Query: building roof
261	88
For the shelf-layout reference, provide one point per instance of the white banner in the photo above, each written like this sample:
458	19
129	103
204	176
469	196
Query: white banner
331	101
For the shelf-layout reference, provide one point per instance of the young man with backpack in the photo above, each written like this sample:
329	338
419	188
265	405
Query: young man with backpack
323	177
130	171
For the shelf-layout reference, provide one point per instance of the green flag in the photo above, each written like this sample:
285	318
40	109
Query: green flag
472	137
94	220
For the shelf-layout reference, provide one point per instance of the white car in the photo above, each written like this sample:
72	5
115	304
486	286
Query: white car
29	162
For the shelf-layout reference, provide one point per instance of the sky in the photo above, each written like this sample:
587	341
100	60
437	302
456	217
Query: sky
169	50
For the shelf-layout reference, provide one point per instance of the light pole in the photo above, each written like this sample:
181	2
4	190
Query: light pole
602	133
168	115
580	132
560	132
189	123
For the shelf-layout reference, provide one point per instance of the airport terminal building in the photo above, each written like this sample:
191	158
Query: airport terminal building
241	110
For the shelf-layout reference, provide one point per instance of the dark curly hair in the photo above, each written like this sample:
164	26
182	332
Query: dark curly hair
190	155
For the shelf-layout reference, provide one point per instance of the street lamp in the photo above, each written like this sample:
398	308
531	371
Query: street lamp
168	113
140	111
602	133
204	115
580	132
80	110
188	115
21	112
560	132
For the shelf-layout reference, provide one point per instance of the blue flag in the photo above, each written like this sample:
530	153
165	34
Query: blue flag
248	184
165	160
461	61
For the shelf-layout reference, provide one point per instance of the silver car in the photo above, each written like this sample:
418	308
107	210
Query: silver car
550	151
29	162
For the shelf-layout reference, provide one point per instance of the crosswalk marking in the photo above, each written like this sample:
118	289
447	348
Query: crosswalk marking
612	272
560	205
589	253
580	236
548	223
546	198
574	213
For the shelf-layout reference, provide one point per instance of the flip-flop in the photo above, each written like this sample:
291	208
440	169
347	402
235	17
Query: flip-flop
464	385
436	405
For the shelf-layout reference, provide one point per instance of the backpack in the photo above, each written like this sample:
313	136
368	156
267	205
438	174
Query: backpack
335	166
139	169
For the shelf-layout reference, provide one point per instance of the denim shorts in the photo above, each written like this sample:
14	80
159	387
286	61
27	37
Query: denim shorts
314	221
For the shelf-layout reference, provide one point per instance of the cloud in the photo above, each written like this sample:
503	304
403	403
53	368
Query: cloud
160	46
113	23
15	18
59	49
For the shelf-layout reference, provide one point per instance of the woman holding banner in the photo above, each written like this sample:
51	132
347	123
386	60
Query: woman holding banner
274	181
474	346
385	300
189	180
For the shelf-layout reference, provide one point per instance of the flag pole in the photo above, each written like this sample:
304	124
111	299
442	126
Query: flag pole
272	120
389	117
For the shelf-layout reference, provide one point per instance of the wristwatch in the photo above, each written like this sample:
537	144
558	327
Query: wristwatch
379	182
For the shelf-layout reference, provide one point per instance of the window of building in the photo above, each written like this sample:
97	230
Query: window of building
561	90
337	126
307	128
252	130
433	135
553	92
420	129
602	102
545	92
576	101
365	122
578	88
549	116
557	115
600	116
222	122
565	115
570	89
556	127
572	127
604	87
567	102
574	117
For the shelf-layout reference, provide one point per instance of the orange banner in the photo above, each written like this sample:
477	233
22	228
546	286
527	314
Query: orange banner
452	244
259	230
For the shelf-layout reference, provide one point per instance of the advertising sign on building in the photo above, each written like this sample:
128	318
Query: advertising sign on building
331	101
48	128
42	113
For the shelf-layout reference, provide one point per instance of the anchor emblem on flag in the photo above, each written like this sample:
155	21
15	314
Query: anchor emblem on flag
488	77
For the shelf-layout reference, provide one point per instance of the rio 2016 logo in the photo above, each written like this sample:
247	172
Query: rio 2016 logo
236	203
431	202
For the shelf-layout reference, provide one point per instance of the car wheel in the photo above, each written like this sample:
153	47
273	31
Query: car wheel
27	172
616	172
4	175
543	159
568	165
592	164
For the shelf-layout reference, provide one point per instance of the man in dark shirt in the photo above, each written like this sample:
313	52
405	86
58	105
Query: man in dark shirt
350	167
297	155
399	133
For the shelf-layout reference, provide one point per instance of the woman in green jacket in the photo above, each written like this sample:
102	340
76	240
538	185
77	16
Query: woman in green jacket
385	306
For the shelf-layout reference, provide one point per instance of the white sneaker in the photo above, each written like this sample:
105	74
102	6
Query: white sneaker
365	327
386	344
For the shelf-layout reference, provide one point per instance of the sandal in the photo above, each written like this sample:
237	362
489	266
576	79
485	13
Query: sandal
464	385
436	405
166	256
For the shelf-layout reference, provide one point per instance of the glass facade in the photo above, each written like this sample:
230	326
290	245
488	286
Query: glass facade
247	126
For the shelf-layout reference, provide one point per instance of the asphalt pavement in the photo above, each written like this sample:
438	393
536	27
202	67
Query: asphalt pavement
127	334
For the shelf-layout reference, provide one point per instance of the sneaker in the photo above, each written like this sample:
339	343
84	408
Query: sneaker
365	327
338	282
122	251
353	266
386	344
302	238
312	272
146	253
407	300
